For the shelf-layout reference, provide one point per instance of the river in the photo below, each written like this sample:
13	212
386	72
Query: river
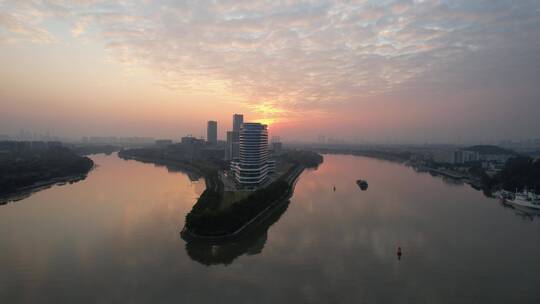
115	238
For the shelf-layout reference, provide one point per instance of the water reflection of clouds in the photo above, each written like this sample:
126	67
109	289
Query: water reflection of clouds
103	227
342	248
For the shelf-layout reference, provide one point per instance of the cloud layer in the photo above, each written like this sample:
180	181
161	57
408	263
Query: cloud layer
292	56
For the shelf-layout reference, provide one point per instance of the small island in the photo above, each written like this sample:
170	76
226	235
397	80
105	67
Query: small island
30	166
225	251
221	211
221	214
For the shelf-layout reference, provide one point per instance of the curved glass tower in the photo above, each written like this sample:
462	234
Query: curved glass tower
252	167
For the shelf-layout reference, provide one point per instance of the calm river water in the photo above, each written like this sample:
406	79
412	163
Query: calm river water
114	238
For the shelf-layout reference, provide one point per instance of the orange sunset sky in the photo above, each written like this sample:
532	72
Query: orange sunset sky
411	71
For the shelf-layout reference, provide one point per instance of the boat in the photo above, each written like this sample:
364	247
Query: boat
362	184
504	195
525	199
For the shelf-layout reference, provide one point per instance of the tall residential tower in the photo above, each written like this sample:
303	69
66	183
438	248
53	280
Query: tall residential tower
233	138
252	167
211	135
238	120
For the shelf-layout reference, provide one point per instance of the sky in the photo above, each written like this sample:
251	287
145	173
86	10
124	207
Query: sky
362	71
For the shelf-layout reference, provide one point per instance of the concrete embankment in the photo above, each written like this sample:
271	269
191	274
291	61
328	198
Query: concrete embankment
446	173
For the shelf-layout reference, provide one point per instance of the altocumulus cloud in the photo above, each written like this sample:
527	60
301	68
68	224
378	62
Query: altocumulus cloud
300	54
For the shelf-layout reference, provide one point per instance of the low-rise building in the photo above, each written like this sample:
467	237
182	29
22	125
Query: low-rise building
444	156
191	147
277	147
212	153
163	142
453	156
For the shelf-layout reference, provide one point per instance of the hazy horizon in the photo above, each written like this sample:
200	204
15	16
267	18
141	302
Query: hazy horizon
362	71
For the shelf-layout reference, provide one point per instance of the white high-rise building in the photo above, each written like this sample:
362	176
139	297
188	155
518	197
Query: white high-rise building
252	167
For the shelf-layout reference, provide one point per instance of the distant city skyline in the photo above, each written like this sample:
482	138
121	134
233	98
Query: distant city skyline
369	71
319	139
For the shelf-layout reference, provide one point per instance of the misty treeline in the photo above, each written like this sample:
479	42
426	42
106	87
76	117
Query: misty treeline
519	173
27	168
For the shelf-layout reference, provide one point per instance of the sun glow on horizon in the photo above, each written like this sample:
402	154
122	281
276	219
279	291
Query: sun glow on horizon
269	113
265	121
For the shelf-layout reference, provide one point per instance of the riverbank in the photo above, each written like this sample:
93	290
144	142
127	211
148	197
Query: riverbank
195	170
24	192
187	168
399	157
475	181
30	171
